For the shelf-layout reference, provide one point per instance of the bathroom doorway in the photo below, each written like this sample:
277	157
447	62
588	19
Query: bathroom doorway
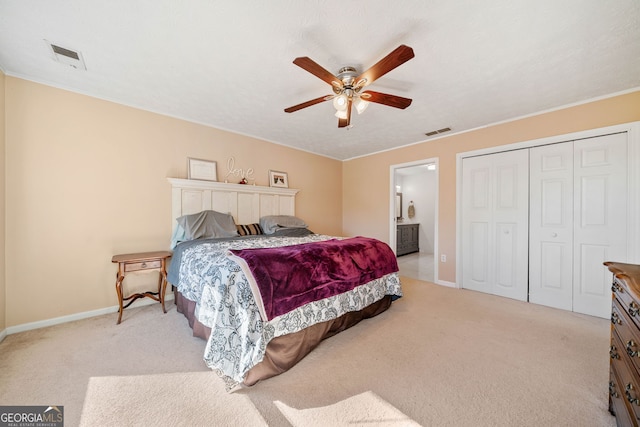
414	218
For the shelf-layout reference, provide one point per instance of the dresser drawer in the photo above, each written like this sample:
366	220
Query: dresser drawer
617	401
627	380
628	301
628	333
146	265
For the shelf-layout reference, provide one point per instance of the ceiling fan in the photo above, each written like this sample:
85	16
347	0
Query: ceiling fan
348	85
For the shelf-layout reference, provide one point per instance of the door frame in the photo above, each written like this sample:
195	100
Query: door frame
633	179
392	208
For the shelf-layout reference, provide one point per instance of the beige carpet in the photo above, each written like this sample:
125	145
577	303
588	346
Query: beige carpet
366	409
137	400
146	400
439	356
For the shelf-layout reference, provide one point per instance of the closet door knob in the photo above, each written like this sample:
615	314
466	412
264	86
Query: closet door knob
554	234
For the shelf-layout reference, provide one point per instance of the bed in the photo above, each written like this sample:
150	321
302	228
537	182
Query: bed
233	284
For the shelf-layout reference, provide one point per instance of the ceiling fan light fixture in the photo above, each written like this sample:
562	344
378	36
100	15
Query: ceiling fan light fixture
360	105
341	114
340	102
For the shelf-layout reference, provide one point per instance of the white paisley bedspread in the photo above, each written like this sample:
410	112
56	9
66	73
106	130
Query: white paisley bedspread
225	303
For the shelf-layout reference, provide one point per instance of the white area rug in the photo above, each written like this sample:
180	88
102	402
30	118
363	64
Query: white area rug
179	399
366	409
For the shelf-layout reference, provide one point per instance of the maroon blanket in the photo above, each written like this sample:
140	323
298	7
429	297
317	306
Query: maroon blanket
291	276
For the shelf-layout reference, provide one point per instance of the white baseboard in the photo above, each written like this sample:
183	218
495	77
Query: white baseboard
447	284
73	317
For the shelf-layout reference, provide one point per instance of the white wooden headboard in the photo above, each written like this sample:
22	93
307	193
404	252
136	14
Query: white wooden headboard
247	203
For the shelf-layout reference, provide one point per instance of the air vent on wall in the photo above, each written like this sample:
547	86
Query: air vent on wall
436	132
67	56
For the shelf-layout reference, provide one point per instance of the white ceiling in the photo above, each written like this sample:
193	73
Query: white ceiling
228	64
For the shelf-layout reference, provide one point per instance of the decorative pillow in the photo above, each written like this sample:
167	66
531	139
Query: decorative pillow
249	229
207	224
271	223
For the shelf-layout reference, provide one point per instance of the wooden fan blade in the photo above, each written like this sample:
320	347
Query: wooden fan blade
314	68
386	99
396	58
308	104
345	122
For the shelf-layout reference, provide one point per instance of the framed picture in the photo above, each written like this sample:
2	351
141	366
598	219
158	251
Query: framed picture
204	170
278	179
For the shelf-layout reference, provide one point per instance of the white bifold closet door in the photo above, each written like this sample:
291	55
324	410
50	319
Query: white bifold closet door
574	219
495	206
600	223
578	221
551	225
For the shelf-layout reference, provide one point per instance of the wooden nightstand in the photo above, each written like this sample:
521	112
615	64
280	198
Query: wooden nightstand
128	263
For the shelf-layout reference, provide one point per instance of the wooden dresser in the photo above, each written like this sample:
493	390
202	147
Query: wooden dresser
624	352
407	239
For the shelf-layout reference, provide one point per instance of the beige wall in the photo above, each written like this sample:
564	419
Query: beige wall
367	213
84	179
87	179
3	303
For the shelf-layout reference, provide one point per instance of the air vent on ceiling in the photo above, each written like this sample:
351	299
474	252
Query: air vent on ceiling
67	56
436	132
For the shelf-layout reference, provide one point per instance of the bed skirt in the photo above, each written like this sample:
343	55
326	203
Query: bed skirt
285	351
